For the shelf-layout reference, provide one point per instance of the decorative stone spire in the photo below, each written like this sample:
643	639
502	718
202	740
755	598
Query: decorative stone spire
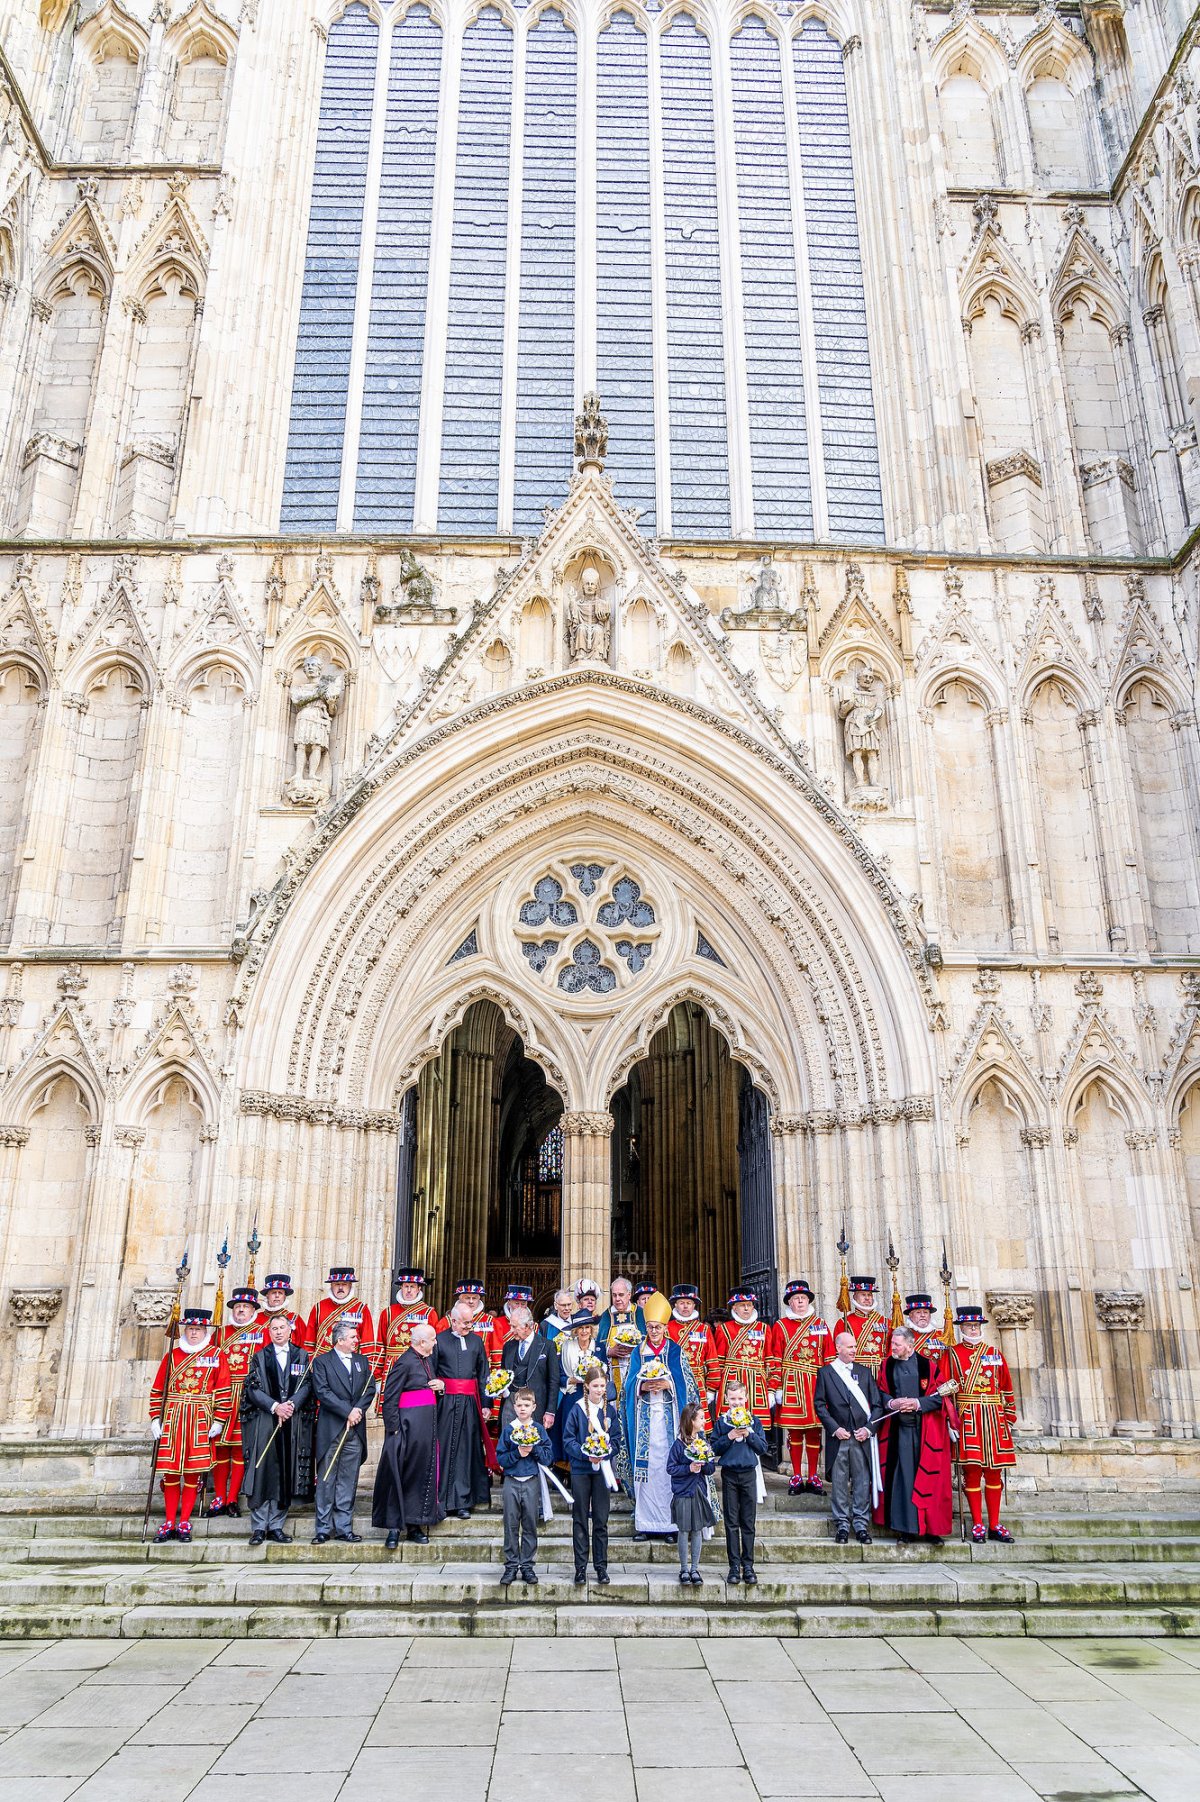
591	435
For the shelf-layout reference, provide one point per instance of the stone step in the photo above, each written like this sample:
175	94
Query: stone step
319	1583
230	1547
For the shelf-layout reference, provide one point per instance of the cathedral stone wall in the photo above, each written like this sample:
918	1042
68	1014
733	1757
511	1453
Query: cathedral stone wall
276	784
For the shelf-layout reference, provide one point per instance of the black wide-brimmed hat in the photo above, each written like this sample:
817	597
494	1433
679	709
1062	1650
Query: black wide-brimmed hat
685	1292
912	1302
964	1316
342	1273
412	1274
469	1287
249	1296
797	1288
862	1282
197	1316
279	1281
582	1318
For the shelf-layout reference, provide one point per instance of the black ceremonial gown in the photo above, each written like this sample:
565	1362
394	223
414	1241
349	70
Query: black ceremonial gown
903	1451
463	1480
286	1473
406	1485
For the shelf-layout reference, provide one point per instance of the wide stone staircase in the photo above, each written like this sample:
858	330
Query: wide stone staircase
87	1573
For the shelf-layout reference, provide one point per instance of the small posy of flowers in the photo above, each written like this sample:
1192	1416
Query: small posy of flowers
526	1434
598	1445
654	1372
698	1450
627	1335
498	1384
740	1417
589	1367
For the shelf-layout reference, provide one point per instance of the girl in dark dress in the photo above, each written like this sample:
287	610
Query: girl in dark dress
691	1509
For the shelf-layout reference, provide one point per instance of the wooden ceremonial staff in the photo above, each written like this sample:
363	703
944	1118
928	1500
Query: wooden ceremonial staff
946	1276
279	1422
172	1335
345	1432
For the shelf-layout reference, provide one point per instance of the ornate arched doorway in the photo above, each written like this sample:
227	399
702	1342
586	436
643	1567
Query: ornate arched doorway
586	856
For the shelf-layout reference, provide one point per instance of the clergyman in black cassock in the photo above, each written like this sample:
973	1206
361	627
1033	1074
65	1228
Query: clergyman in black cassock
406	1482
461	1362
285	1474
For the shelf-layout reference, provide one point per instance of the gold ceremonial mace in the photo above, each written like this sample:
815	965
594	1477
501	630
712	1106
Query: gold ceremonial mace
893	1264
223	1258
843	1300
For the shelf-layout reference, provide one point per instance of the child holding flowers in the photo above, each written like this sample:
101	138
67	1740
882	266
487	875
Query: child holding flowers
523	1445
690	1464
591	1436
738	1442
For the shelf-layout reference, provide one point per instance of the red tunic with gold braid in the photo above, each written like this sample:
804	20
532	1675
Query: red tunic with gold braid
987	1408
741	1354
799	1351
931	1344
325	1316
199	1388
238	1346
393	1336
872	1335
265	1317
695	1342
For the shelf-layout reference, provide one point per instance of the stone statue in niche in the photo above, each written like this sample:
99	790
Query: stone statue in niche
589	620
766	594
316	692
860	709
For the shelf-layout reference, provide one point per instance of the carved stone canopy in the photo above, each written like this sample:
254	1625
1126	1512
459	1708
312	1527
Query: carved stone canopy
1012	1308
1121	1310
591	434
35	1307
152	1306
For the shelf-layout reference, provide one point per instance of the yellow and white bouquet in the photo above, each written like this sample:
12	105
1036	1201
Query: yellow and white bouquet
626	1336
589	1367
699	1451
655	1371
740	1417
498	1384
597	1445
524	1433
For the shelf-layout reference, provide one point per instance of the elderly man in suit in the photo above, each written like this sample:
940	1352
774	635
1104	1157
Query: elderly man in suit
344	1388
533	1360
849	1407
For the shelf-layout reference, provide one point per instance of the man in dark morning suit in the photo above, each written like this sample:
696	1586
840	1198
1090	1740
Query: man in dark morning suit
277	1436
846	1399
534	1363
344	1388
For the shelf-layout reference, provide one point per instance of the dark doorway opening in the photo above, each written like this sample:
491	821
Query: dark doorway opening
693	1197
479	1177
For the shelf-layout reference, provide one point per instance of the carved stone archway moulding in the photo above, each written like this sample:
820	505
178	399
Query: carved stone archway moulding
394	931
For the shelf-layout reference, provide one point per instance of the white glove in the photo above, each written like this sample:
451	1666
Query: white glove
712	1395
776	1397
156	1429
214	1432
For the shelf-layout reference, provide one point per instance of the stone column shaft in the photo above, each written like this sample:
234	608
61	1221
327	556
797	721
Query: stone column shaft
586	1197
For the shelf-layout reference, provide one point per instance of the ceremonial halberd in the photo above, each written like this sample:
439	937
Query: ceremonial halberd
434	830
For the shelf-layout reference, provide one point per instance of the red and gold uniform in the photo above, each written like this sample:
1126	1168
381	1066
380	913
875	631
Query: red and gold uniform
238	1346
695	1342
800	1348
931	1344
987	1412
278	1284
740	1352
329	1313
198	1390
872	1330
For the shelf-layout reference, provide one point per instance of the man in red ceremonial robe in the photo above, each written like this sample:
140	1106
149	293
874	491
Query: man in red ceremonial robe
914	1446
987	1409
341	1304
189	1405
870	1329
801	1344
740	1352
931	1344
691	1335
491	1328
394	1326
275	1292
238	1341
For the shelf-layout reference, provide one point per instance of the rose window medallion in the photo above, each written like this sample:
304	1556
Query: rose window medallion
587	929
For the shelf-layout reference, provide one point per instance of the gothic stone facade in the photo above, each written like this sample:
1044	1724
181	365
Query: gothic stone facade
911	785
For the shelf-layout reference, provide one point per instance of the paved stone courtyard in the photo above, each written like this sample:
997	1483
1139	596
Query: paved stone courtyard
637	1720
